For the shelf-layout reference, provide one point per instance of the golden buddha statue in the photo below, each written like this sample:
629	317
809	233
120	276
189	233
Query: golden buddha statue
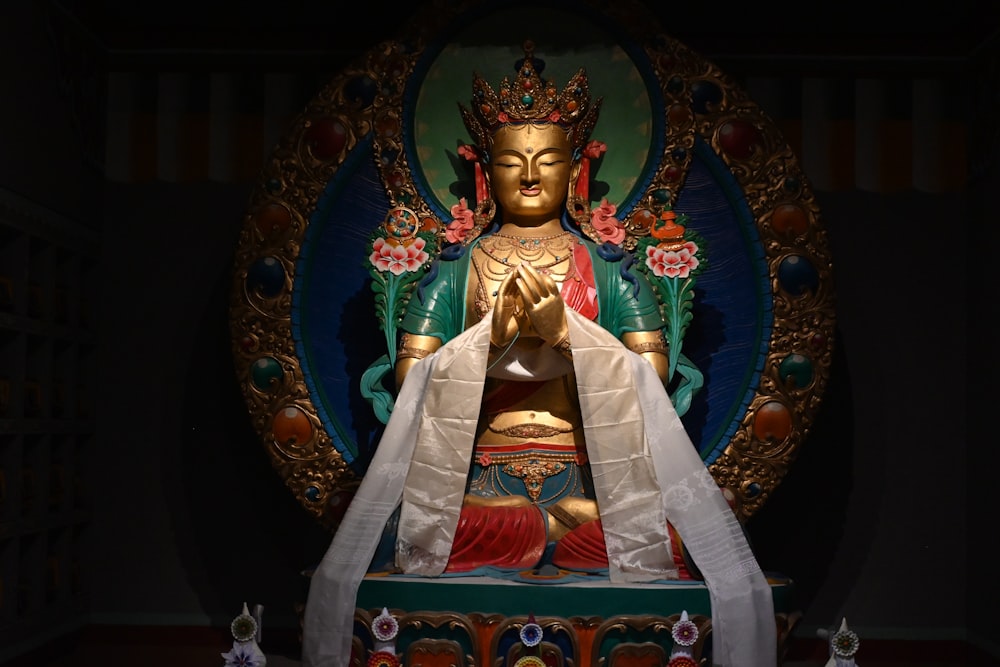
532	427
529	445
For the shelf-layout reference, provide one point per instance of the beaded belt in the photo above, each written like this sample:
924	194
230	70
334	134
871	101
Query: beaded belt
546	475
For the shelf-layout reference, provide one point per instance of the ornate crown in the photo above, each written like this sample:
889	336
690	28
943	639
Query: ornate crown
530	98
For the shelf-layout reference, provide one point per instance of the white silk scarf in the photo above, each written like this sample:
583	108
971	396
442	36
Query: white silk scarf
645	471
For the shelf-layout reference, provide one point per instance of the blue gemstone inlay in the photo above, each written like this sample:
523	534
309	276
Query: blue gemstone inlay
797	275
267	276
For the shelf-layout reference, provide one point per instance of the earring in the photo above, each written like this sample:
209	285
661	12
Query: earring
483	216
578	208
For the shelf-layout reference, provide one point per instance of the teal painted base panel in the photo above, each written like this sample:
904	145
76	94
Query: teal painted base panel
498	596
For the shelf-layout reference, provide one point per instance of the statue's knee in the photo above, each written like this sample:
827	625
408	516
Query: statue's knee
570	513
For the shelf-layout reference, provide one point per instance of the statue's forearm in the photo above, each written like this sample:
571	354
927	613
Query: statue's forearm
652	347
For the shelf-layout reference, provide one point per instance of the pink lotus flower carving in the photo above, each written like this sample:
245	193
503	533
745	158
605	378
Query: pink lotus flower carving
673	263
399	258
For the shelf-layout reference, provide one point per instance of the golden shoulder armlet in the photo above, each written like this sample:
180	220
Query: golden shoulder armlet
408	351
655	344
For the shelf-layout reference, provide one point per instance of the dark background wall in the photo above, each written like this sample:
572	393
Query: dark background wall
884	519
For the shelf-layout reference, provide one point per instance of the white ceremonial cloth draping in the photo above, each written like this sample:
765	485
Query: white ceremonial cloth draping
645	469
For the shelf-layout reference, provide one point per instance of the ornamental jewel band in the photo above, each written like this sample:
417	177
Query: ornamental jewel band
531	99
532	637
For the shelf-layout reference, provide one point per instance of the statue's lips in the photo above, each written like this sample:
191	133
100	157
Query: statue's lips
531	192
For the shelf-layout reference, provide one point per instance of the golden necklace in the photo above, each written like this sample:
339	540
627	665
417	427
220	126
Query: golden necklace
504	252
510	251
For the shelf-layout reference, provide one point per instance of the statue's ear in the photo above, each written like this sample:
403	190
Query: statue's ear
574	176
484	190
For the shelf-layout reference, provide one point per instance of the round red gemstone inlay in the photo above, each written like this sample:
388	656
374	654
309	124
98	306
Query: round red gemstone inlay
790	218
643	219
678	115
326	137
273	219
387	126
738	138
397	179
291	427
772	422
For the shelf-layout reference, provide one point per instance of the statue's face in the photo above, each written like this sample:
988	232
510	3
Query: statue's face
530	172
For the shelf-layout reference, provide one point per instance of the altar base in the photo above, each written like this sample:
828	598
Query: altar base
475	621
